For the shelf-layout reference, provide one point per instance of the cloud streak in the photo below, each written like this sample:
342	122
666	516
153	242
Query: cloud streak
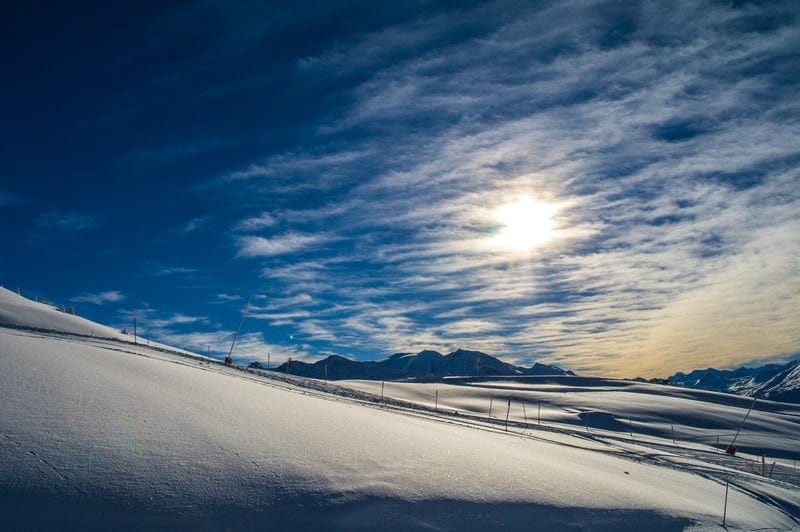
665	138
100	298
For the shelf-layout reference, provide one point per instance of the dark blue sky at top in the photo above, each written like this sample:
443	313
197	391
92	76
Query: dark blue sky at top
344	162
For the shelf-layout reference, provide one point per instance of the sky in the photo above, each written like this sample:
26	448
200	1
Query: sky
611	187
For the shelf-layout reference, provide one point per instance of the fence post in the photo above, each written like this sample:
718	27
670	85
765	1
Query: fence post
525	415
725	507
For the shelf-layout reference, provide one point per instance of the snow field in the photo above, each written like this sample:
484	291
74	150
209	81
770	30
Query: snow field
155	435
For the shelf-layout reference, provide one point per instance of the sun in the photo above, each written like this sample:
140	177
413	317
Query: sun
526	224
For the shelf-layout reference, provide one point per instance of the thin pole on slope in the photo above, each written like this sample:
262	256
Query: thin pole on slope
539	415
436	403
725	507
508	411
135	340
229	359
490	409
731	449
524	415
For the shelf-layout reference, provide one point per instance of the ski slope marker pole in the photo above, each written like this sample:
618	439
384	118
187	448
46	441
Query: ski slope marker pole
725	507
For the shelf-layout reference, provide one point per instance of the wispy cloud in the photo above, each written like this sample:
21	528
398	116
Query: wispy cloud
100	298
258	246
256	223
66	221
228	297
665	138
194	224
161	270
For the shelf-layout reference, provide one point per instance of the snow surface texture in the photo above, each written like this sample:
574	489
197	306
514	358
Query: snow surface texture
94	435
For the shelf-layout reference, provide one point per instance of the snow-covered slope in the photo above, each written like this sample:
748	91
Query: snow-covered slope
19	311
771	381
785	386
104	435
616	407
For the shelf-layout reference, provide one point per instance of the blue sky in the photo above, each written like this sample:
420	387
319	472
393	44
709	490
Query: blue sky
612	187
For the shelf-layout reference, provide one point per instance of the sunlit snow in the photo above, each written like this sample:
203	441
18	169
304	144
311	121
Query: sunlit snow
105	434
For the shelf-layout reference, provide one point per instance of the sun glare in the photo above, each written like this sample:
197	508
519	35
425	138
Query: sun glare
526	223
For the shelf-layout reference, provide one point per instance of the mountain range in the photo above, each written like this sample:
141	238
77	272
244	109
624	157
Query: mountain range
776	382
422	365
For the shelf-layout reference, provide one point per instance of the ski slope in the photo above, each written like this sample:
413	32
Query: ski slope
611	406
109	435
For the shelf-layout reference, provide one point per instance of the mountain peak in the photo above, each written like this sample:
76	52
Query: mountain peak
426	364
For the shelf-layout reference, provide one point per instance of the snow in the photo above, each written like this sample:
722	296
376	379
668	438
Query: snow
19	311
110	435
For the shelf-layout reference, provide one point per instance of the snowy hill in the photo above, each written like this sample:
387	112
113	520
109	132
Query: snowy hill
771	381
18	311
98	434
423	365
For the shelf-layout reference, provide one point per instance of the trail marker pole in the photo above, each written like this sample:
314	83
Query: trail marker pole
540	414
436	402
490	409
135	341
725	507
524	414
382	384
630	427
508	411
268	357
673	434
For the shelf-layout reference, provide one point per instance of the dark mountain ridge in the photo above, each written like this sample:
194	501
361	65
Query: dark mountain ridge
776	382
422	365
